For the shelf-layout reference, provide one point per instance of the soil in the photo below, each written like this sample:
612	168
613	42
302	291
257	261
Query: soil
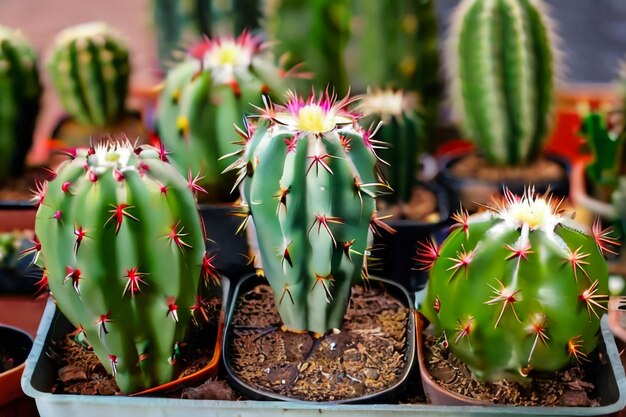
6	362
421	207
21	189
572	386
80	371
365	356
475	166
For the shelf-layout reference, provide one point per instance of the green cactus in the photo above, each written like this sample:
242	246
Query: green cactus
123	252
20	91
401	129
309	180
618	200
90	69
502	77
606	146
518	288
205	96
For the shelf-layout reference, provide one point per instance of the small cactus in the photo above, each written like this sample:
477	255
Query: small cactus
395	112
518	288
205	96
90	69
20	91
123	252
501	72
309	180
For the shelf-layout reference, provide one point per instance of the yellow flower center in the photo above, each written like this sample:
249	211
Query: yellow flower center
228	54
313	118
534	213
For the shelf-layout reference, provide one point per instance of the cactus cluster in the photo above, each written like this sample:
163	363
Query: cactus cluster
501	75
518	288
205	96
400	127
309	180
20	91
123	252
89	67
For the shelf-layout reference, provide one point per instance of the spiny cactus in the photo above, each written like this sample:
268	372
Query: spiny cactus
123	252
20	91
501	74
395	112
205	96
90	68
518	288
309	180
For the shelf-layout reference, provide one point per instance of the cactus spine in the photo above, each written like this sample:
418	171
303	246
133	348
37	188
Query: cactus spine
205	96
90	69
502	77
518	288
20	91
309	181
123	252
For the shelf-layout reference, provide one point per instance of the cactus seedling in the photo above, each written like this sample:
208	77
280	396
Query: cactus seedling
309	180
518	288
123	251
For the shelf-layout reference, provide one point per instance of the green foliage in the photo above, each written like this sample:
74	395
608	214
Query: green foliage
606	147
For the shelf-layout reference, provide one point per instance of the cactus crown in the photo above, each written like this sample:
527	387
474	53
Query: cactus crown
518	288
226	55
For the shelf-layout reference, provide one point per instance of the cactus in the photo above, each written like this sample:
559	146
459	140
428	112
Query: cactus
502	77
89	68
123	252
520	287
20	91
401	129
205	96
606	145
309	181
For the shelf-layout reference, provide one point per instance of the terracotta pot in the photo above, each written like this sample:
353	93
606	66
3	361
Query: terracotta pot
17	344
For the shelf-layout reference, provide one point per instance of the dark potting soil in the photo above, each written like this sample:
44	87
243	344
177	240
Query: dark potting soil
80	371
421	207
364	357
22	188
572	386
474	166
6	362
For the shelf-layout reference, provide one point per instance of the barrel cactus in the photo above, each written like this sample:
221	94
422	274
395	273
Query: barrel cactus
20	91
205	96
90	69
309	181
501	73
401	129
123	252
518	288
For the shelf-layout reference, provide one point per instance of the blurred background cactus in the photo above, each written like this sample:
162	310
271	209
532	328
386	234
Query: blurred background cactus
501	74
518	288
20	92
309	182
123	252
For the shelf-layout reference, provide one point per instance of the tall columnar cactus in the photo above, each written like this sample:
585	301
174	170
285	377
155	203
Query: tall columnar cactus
518	288
501	71
401	128
309	180
205	96
123	252
20	91
90	68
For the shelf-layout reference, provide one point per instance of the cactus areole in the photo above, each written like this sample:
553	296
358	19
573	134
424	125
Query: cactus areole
519	288
309	179
123	252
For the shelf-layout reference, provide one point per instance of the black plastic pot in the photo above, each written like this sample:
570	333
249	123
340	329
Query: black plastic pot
254	393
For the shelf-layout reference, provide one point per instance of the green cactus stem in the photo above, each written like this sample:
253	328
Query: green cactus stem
20	91
90	69
518	288
123	252
606	146
309	179
501	74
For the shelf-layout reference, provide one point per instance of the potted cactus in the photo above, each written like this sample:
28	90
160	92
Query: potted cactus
516	291
122	247
501	70
90	69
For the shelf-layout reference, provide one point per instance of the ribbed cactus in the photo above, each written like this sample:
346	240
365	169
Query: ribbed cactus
518	288
501	73
309	180
606	144
205	96
123	250
401	130
20	91
90	68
